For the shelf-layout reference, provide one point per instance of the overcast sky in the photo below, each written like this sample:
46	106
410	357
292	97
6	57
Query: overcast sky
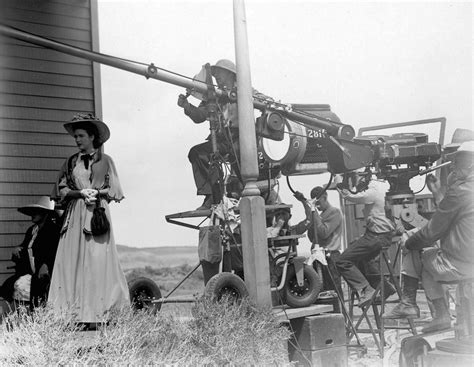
374	63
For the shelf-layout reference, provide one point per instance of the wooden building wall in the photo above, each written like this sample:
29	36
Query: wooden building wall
40	89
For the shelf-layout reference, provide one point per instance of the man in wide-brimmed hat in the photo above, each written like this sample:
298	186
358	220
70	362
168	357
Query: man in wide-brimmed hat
34	258
453	260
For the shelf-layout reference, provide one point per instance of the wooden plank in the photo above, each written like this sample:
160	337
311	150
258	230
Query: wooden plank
22	176
45	18
6	254
12	214
10	201
25	189
39	151
10	241
5	266
77	3
31	51
45	78
56	127
283	313
46	102
31	163
5	276
63	34
31	89
23	63
80	44
38	113
14	227
16	137
48	8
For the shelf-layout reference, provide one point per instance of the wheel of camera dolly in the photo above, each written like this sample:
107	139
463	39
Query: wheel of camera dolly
306	295
226	285
142	291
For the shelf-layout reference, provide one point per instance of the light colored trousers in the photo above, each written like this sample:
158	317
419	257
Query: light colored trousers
431	266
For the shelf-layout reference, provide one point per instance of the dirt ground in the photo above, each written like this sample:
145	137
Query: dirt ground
393	338
355	357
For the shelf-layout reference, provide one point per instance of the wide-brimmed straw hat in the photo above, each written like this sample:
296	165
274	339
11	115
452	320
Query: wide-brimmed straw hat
44	203
78	120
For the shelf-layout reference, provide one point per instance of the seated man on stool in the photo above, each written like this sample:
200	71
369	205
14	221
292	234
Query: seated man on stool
453	225
378	234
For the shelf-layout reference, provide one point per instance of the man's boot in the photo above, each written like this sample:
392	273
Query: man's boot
389	290
365	296
441	319
407	307
207	203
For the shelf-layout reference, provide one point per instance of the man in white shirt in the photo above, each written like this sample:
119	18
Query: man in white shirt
378	234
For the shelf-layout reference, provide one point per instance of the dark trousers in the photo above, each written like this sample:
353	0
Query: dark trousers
359	252
207	174
204	178
327	282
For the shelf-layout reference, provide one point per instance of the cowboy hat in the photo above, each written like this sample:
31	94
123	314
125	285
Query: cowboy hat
467	150
466	147
44	203
459	137
78	120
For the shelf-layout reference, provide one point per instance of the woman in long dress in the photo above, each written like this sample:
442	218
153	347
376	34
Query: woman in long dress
87	276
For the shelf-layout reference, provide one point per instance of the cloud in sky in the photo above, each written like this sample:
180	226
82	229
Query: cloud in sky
374	63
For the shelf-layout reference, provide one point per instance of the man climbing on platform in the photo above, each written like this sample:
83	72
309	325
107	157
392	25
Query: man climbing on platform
207	172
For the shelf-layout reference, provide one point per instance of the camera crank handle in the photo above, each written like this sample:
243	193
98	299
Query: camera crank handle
434	168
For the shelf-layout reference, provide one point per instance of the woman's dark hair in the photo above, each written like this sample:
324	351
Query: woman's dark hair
91	129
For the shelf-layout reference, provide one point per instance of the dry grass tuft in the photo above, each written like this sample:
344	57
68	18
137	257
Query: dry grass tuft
220	333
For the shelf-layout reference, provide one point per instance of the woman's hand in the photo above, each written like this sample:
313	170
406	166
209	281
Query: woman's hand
89	195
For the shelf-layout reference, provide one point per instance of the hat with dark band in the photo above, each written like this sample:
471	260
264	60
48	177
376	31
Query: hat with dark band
81	119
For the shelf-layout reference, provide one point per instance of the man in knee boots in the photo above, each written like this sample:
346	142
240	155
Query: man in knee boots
453	259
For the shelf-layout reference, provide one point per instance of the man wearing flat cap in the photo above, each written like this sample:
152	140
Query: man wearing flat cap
34	258
453	260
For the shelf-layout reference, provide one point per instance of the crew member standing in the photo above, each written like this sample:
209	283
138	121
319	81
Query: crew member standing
328	226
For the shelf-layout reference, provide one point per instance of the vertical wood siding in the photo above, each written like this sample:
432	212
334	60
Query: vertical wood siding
40	89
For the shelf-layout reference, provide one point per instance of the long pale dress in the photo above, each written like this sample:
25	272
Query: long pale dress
87	275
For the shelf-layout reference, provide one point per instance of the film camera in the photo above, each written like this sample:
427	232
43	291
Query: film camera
396	158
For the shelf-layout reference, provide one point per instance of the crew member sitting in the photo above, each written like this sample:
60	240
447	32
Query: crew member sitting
378	234
452	225
34	258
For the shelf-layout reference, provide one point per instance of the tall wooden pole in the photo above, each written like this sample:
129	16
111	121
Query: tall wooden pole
252	206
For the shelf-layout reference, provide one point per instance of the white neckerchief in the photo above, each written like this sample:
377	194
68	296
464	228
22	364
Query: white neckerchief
34	233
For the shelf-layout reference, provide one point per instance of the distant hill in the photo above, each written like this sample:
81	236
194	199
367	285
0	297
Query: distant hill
156	257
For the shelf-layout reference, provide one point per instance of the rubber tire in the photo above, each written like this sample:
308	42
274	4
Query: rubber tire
296	297
226	284
147	289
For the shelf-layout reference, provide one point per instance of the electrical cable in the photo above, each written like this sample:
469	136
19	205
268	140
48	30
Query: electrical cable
424	185
326	187
289	185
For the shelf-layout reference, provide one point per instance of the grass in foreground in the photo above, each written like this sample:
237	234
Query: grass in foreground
219	334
